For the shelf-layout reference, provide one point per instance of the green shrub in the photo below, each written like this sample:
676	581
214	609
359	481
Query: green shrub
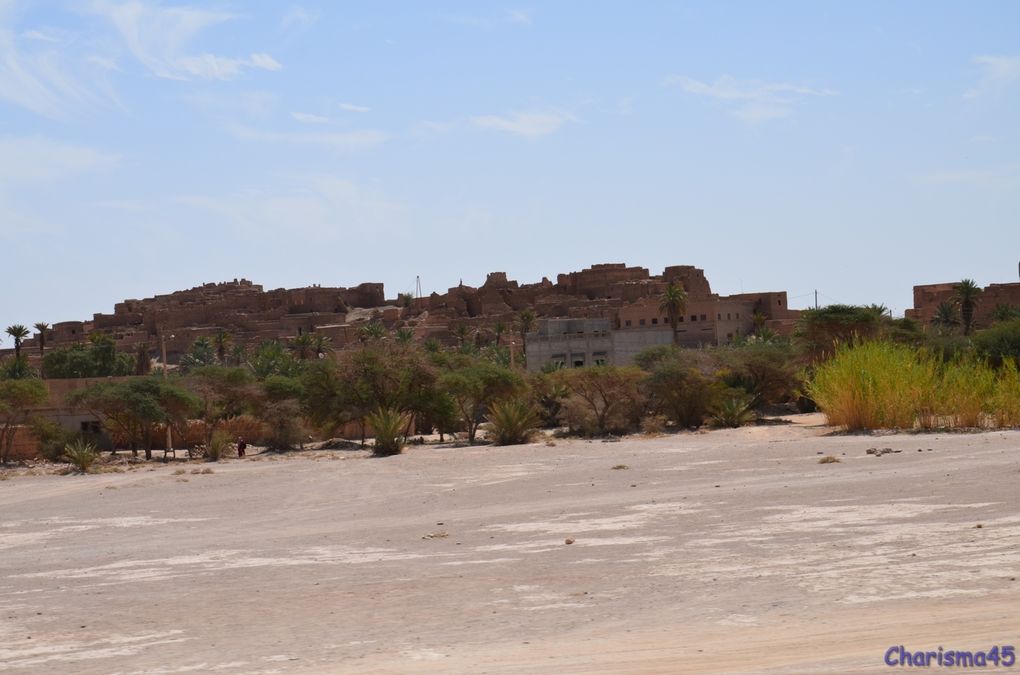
875	385
512	421
999	343
52	438
733	412
1006	397
217	446
652	425
965	393
388	426
80	454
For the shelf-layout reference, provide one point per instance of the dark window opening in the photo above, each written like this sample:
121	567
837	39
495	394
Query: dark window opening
579	364
627	322
641	322
694	317
655	321
703	317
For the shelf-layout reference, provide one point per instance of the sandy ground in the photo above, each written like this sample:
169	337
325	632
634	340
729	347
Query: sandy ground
729	551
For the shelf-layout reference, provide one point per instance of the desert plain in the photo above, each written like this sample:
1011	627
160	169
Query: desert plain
732	551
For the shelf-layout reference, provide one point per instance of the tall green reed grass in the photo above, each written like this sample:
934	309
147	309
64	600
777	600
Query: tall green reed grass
882	385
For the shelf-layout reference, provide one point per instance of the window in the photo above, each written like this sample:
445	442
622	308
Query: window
729	336
738	315
641	322
681	319
655	321
600	362
727	316
703	318
718	317
627	323
694	317
578	363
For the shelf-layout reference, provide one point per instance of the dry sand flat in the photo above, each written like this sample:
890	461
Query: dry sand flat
730	551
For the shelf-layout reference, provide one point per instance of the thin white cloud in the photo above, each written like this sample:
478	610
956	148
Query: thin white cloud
527	124
351	107
308	118
519	16
341	140
39	79
298	17
752	101
1006	176
36	159
41	36
159	36
997	73
323	206
212	67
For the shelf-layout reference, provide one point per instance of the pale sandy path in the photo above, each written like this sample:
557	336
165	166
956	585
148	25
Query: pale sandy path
735	543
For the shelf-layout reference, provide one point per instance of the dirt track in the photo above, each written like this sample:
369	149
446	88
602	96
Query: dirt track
730	551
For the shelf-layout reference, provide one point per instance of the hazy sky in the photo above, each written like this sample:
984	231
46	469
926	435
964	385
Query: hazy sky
854	147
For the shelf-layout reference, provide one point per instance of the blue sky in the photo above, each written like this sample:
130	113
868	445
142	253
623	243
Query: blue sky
857	148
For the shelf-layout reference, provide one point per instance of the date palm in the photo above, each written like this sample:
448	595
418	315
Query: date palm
966	293
946	316
320	343
42	327
673	305
525	322
302	345
19	333
221	341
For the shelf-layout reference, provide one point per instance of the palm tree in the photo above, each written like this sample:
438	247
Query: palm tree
673	305
221	341
404	335
462	332
946	316
320	343
371	331
302	345
1004	312
525	322
758	320
42	327
239	353
966	293
499	328
19	333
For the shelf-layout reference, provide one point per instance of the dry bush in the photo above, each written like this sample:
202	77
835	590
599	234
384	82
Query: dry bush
245	426
653	425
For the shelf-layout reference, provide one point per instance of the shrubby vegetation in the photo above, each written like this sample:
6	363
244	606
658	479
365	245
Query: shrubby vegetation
864	369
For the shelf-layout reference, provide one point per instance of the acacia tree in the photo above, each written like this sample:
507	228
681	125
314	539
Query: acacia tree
966	293
223	393
602	399
674	304
19	333
17	399
473	384
131	409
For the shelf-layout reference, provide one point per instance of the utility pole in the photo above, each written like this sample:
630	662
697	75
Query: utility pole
169	434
